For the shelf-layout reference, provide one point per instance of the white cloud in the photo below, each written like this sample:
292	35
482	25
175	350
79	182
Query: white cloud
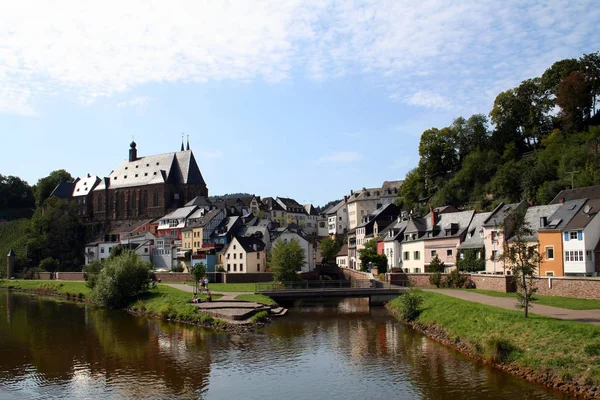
139	101
88	49
341	157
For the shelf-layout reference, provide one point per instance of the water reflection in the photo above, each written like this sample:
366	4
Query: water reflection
343	350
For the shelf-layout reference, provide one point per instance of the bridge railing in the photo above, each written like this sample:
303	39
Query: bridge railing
324	284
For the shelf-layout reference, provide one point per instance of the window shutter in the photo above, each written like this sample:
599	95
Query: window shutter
566	236
579	235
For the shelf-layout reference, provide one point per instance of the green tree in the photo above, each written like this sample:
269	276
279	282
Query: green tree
121	279
436	267
329	248
437	150
472	260
286	259
521	258
198	272
45	186
15	193
369	257
91	272
49	264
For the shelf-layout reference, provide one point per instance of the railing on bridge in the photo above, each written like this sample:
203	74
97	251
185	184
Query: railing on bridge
326	284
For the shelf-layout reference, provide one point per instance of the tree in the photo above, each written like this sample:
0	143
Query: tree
329	248
521	258
472	260
286	259
49	264
15	193
198	272
436	266
121	279
369	256
437	150
45	186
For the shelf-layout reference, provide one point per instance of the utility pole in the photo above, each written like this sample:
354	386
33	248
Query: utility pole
572	175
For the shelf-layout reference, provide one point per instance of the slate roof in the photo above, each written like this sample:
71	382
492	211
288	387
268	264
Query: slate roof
589	192
205	220
532	219
475	241
583	218
460	220
501	212
563	215
310	210
182	212
334	209
175	168
272	205
200	201
291	205
248	243
63	190
343	251
84	186
399	227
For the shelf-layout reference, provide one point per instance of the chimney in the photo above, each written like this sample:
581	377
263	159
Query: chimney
530	202
89	176
433	215
345	199
543	222
351	192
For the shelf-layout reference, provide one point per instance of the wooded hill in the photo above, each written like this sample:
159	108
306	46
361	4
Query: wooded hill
544	136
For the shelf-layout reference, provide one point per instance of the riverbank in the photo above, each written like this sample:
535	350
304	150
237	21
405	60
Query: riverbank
564	355
162	302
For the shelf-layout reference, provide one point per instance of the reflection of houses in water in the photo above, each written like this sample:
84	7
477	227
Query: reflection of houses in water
354	306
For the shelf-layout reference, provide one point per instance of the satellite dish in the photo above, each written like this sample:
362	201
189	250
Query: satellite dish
587	209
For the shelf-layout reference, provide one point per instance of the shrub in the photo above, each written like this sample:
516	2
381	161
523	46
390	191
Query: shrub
49	264
436	279
410	305
177	268
90	273
121	278
220	268
456	279
499	350
260	317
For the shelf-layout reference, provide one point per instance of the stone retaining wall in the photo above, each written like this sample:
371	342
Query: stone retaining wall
68	276
355	275
582	288
248	278
499	283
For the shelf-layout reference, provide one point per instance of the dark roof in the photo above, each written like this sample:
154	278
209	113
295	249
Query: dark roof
561	217
200	201
310	210
249	243
271	204
343	251
501	212
11	253
532	219
203	221
585	215
589	192
63	190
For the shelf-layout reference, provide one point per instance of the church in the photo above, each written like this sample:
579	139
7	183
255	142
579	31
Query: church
148	187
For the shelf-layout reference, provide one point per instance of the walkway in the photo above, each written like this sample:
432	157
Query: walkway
227	296
589	316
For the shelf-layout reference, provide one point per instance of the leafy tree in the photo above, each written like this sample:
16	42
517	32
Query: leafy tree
521	258
412	191
15	193
45	186
286	259
329	248
369	256
436	266
575	99
55	232
469	262
117	250
121	279
437	149
49	264
91	272
198	272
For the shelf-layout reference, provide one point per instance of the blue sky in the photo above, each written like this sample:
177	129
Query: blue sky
302	99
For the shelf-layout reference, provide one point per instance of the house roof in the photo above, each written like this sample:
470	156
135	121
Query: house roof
176	168
473	240
84	186
291	205
589	192
343	251
501	212
399	227
532	219
251	244
458	220
226	225
334	208
585	214
272	205
200	201
182	212
310	210
205	220
563	215
63	190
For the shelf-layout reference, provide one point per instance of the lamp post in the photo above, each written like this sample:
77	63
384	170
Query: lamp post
392	260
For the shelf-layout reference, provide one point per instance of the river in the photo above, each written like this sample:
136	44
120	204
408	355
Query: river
342	350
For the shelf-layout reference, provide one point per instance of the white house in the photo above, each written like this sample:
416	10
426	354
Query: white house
337	218
580	238
98	251
245	255
310	254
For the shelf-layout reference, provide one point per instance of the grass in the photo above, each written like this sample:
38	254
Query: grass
260	317
227	287
257	298
66	288
168	303
554	301
566	349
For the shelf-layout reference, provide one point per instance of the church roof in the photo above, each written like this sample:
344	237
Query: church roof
175	168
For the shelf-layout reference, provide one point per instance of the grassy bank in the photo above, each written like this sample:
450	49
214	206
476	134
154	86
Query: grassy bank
553	301
560	353
62	288
257	298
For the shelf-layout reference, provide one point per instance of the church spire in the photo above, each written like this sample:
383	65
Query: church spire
182	142
188	142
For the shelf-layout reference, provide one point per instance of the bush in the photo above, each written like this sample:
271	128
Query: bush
499	350
49	264
177	268
260	317
410	305
456	279
121	278
90	273
436	279
220	268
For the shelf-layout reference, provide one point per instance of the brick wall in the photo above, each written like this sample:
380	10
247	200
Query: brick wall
354	275
499	283
583	288
69	276
174	277
248	278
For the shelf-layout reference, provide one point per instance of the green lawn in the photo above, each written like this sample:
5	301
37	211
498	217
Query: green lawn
171	303
227	287
554	301
67	288
569	350
257	298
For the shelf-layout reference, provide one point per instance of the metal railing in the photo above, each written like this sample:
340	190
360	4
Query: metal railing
326	284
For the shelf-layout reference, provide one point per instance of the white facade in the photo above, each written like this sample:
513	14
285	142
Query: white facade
493	240
578	247
238	261
322	230
337	220
393	251
413	256
342	261
309	251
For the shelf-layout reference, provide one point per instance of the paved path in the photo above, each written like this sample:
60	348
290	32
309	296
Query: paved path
589	316
227	296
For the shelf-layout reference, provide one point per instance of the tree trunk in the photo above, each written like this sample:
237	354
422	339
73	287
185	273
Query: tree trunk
525	291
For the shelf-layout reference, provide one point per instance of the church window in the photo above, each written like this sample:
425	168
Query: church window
136	175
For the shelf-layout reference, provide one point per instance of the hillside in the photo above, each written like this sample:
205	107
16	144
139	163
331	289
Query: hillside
12	236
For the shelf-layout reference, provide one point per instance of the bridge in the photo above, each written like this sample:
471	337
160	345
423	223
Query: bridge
378	292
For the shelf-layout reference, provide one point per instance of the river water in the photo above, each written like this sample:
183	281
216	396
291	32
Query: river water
342	350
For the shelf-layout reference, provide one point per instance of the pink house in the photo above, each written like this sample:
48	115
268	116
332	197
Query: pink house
447	235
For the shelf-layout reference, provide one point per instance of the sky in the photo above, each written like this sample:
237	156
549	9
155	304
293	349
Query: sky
302	99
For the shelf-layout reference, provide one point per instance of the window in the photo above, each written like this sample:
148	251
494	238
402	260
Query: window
234	256
145	249
241	267
340	218
448	253
102	250
228	267
549	250
258	255
574	255
406	255
241	255
495	255
417	270
433	253
417	255
573	235
234	246
494	236
234	267
549	273
258	267
362	212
